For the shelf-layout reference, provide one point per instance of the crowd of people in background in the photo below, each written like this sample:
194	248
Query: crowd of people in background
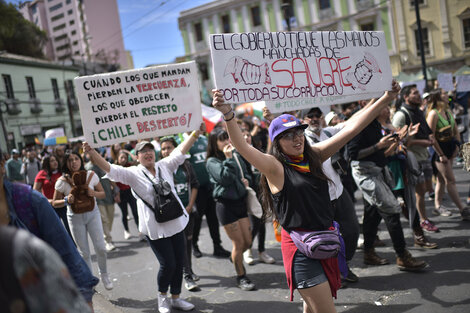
406	152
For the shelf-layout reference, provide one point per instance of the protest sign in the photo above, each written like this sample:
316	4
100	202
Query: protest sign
143	103
463	83
296	70
55	136
445	81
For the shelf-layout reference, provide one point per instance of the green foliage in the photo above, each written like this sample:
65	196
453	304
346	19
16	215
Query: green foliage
18	35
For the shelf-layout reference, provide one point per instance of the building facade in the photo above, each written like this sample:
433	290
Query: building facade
446	27
85	31
36	95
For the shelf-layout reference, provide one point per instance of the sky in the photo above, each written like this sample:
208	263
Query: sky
150	29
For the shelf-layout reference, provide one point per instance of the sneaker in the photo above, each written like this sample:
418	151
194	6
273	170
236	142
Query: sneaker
266	258
220	252
422	242
428	226
465	214
163	304
196	252
407	262
248	257
181	304
127	235
431	196
195	277
245	284
110	246
351	277
190	284
107	283
371	258
442	211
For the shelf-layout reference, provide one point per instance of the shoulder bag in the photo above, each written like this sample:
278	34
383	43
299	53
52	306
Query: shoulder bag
254	207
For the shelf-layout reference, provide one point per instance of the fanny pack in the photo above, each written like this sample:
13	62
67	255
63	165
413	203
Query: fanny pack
318	245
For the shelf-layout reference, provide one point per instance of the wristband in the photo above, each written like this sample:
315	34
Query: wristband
194	134
228	120
66	201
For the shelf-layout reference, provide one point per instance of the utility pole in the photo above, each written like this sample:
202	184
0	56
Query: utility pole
420	44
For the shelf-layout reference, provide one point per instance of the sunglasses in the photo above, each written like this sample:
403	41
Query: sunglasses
291	134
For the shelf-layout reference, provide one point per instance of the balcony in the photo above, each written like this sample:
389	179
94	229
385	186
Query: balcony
13	106
35	105
59	105
326	14
364	4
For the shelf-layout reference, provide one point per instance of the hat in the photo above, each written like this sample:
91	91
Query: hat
329	117
426	94
314	110
282	123
14	151
141	145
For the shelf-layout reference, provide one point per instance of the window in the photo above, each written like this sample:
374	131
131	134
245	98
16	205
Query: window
426	43
412	2
34	9
70	92
69	12
198	31
367	27
66	46
8	86
466	32
68	1
75	42
55	7
55	88
72	22
57	17
226	23
74	32
61	37
324	4
255	16
31	90
59	27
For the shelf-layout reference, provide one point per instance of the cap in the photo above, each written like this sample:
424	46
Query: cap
282	123
141	145
329	117
14	151
426	94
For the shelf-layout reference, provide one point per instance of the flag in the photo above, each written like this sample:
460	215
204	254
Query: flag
210	116
251	108
55	136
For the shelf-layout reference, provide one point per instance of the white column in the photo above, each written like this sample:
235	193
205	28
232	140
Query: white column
215	23
401	26
189	31
278	15
337	4
299	13
313	11
234	21
265	16
246	18
205	30
391	26
444	29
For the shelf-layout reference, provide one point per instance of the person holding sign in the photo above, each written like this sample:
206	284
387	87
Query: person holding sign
151	181
295	189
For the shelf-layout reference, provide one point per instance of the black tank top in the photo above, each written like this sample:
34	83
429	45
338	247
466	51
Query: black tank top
304	202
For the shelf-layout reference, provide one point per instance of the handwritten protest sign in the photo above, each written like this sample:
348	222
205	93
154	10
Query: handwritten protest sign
143	103
296	70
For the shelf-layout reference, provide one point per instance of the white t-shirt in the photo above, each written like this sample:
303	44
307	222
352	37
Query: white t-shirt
64	187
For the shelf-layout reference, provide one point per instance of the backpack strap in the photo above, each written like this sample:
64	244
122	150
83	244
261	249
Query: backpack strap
327	133
407	115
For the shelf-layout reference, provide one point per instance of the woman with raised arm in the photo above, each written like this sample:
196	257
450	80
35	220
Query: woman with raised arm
295	189
165	238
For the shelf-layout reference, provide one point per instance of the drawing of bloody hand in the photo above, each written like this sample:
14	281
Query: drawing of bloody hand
249	73
363	72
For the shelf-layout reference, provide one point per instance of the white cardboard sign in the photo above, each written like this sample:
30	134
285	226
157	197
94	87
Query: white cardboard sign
297	70
129	105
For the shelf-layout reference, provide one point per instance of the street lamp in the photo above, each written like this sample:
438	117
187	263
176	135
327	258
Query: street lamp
286	10
420	44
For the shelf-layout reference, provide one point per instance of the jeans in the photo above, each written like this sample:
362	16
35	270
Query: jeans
89	223
107	217
372	218
170	253
345	215
127	198
206	205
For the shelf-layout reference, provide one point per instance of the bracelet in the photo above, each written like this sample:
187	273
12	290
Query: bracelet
228	120
194	134
231	110
66	201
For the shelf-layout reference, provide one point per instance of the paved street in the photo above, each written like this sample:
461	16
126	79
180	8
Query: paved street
444	287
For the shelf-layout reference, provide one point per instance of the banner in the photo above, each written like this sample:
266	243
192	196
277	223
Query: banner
144	103
297	70
445	81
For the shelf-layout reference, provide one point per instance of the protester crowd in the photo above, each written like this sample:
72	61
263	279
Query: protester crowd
395	150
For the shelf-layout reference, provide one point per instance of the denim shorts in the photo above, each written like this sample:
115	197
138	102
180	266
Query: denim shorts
307	272
426	167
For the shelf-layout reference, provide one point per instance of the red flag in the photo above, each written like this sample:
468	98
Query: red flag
210	116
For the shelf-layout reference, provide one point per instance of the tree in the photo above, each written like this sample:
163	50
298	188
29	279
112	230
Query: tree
18	35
